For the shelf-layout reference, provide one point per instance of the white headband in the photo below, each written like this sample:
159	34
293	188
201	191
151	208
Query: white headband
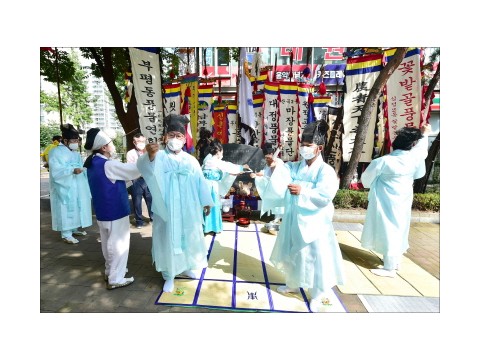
100	139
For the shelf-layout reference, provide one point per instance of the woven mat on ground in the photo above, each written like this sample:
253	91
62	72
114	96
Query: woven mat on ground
239	277
411	279
396	304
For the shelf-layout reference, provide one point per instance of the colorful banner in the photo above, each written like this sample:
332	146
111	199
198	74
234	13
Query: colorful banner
258	112
258	84
303	107
270	113
232	123
333	73
360	75
205	116
245	99
288	120
220	123
171	99
404	92
320	107
191	82
148	92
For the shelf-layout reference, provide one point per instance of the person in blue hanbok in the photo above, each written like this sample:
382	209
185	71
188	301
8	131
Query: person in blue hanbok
390	179
70	198
180	197
220	176
306	249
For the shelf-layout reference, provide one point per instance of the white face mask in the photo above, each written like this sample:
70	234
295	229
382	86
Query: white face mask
73	146
140	146
175	144
307	152
220	155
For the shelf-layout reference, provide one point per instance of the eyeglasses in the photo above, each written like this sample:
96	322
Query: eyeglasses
172	135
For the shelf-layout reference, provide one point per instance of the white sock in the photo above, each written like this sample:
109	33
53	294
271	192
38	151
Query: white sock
190	274
168	286
285	289
383	272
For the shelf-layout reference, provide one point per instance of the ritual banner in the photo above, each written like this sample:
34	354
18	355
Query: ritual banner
288	120
148	91
191	82
205	116
220	123
360	75
258	112
270	113
404	92
320	107
258	84
335	156
304	91
232	123
171	99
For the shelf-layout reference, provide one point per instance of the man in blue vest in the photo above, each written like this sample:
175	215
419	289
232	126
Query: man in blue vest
110	201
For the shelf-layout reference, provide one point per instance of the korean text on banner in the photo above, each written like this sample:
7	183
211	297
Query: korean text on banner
404	92
360	75
148	91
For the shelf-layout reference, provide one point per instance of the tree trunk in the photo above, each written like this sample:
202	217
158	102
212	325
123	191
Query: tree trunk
367	109
420	185
429	92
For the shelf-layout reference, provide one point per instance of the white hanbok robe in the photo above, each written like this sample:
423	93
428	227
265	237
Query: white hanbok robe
70	198
179	193
306	249
390	179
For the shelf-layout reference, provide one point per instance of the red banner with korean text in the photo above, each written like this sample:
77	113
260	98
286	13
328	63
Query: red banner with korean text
360	75
220	123
404	93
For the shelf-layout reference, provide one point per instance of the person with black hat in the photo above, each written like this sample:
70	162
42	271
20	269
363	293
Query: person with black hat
112	208
70	197
306	249
180	197
390	179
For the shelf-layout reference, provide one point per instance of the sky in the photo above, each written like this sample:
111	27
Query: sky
246	23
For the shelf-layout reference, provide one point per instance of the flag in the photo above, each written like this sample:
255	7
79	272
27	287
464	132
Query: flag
190	148
245	98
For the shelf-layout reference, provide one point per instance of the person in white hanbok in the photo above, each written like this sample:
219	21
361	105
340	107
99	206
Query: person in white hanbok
107	177
70	199
220	176
306	249
390	179
180	197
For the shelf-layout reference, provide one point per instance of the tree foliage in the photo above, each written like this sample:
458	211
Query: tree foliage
47	131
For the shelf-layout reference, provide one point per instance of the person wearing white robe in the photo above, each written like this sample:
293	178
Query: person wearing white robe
306	249
180	197
390	179
70	199
220	176
107	177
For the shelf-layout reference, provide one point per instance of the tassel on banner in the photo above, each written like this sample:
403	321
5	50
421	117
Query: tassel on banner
291	66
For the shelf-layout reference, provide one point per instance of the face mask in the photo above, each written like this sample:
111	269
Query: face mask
175	144
141	146
307	152
220	155
73	146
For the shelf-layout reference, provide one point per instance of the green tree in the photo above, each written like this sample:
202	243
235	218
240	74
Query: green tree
47	131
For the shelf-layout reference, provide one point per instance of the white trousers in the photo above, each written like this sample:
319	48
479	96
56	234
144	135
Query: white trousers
115	237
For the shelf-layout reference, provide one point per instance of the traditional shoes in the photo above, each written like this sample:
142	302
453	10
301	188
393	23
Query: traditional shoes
80	233
383	272
126	282
285	289
70	240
